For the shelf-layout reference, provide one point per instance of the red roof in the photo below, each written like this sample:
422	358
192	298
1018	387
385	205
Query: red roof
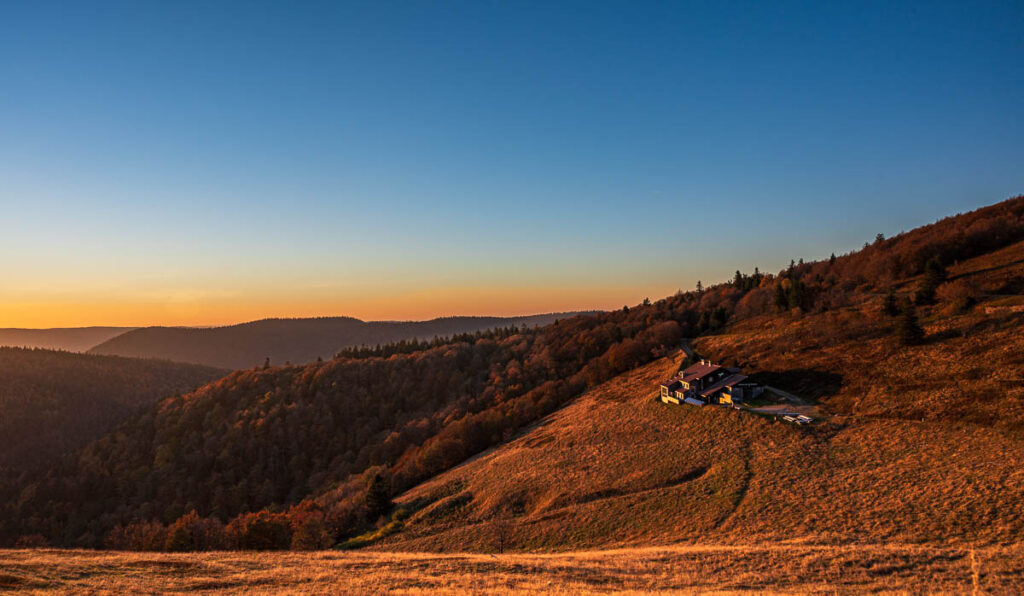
698	371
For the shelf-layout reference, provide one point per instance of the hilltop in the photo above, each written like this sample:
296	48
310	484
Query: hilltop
296	341
550	438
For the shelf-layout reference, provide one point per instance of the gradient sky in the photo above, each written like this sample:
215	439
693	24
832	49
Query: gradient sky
215	162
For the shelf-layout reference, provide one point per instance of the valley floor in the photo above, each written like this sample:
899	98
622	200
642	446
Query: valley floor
789	568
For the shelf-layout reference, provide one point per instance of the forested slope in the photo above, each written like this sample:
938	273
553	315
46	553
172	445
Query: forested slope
308	455
53	402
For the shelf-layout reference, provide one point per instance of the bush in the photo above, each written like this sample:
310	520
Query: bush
261	531
191	532
32	541
138	535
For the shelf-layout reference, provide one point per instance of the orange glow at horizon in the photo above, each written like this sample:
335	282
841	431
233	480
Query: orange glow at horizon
227	310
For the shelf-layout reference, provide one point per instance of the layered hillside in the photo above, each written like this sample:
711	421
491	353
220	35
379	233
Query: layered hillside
917	443
72	339
271	437
910	345
54	402
294	341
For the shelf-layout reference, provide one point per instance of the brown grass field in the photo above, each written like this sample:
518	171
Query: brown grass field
780	568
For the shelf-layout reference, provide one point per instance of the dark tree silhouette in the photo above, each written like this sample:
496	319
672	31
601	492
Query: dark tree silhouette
889	306
378	494
908	329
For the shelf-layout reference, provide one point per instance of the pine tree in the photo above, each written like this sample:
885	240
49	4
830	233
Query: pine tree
934	275
796	296
781	299
700	287
378	494
889	306
908	329
832	259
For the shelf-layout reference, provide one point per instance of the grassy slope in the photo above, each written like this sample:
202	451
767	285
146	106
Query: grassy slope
788	569
923	445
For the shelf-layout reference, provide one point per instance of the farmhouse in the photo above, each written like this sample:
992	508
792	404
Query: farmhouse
709	383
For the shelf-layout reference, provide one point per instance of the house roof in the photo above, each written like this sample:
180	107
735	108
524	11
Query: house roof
698	371
670	383
726	382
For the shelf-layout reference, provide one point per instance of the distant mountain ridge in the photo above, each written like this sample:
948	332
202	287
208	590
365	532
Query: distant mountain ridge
292	340
70	339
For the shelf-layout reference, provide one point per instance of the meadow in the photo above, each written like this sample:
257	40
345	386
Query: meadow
773	568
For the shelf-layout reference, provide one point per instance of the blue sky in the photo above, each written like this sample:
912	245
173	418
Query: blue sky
209	162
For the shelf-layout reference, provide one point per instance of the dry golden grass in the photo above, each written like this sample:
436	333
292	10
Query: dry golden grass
784	568
616	468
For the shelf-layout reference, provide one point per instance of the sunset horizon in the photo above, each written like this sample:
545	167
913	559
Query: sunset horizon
408	163
511	297
513	301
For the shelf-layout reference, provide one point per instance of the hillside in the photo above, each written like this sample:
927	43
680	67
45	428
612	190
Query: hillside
917	444
296	341
919	439
272	437
72	339
54	402
616	468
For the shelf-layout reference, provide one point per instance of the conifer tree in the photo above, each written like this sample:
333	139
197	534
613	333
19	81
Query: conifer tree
908	329
889	306
378	494
781	299
934	275
796	296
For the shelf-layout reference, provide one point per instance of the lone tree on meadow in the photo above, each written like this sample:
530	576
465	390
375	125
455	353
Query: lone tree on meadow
908	329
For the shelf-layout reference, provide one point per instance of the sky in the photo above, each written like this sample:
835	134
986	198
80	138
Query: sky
203	163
